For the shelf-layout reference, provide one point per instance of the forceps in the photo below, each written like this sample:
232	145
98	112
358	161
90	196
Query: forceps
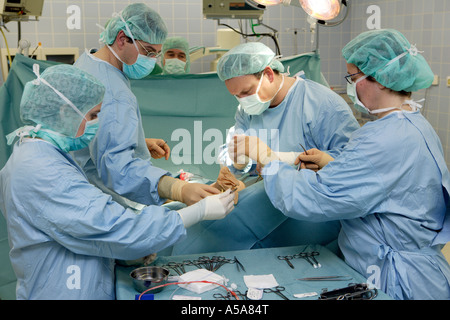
300	163
307	256
287	258
177	267
327	278
277	290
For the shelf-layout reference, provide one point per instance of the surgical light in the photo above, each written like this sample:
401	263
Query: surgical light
321	9
267	2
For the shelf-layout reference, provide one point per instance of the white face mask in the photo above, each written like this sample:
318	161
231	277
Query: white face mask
174	66
353	95
253	105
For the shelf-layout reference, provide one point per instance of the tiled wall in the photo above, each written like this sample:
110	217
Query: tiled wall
423	23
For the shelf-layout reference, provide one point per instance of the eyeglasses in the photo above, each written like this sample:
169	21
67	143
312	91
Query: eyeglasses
349	77
150	54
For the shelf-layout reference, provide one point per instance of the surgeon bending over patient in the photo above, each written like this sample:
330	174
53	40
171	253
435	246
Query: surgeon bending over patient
118	159
284	112
65	233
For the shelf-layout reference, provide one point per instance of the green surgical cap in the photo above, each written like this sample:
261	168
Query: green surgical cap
145	24
177	43
40	104
388	56
247	58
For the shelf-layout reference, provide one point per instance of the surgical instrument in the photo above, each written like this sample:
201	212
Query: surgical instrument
177	267
327	278
220	296
287	258
277	290
310	257
306	152
238	264
359	291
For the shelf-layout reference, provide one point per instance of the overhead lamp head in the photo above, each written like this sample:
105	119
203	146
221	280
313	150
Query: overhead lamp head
321	9
266	2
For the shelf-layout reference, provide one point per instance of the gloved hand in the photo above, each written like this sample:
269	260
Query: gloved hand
251	147
158	148
179	190
211	208
314	160
193	192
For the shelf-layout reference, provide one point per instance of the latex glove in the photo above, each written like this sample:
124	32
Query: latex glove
194	192
211	208
158	148
288	157
252	147
314	160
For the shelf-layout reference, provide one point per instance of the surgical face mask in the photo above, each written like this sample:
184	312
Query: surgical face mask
142	67
138	70
174	66
253	105
66	143
83	141
353	95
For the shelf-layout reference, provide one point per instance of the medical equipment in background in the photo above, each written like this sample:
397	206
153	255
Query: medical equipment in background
226	39
17	10
241	10
320	12
64	55
231	9
20	10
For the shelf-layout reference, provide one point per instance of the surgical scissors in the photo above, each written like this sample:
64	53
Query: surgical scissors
287	258
277	290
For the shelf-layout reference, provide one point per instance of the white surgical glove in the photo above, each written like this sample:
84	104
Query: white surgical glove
251	147
210	208
288	157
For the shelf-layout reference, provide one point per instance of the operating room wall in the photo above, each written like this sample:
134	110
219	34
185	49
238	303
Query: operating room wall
423	22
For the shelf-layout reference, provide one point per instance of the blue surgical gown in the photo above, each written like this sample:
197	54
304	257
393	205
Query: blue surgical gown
117	160
310	114
389	187
64	233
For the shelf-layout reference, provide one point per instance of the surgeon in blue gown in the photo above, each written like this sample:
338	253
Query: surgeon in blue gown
389	185
118	160
65	233
284	112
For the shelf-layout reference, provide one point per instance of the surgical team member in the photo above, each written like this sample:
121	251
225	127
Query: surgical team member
390	184
302	111
65	233
299	111
175	56
118	159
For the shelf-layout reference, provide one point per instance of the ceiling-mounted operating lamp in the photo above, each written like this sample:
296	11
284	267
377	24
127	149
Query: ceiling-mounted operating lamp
321	10
258	3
